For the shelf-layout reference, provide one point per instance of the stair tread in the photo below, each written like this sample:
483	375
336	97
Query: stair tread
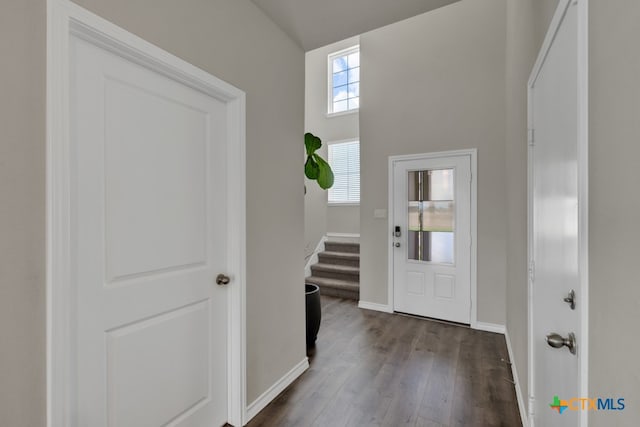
330	242
342	246
350	255
333	283
336	268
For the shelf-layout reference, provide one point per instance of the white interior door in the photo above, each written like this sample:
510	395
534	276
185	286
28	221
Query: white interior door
148	228
555	227
432	237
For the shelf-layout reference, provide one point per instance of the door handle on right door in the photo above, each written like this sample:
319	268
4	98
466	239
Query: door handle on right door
557	341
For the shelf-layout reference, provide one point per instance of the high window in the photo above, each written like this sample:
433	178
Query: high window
344	80
344	159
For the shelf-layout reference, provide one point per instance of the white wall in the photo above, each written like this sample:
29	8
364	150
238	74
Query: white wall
22	213
320	219
435	82
231	39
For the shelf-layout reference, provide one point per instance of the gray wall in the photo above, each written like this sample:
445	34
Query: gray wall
614	233
435	82
319	219
231	39
527	22
343	219
22	213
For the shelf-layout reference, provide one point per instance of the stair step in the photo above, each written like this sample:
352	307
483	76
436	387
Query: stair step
339	258
347	247
335	287
333	271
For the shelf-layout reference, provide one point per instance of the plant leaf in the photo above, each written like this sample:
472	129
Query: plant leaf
325	175
311	168
311	143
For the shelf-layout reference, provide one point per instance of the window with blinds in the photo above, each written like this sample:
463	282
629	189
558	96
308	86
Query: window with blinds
344	159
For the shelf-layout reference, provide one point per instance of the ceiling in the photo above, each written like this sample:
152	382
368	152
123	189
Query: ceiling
316	23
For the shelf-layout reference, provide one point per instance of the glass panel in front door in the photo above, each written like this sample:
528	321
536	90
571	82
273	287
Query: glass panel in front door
431	208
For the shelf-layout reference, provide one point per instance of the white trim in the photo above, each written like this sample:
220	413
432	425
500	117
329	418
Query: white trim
516	381
343	141
343	204
236	260
489	327
344	235
342	52
473	154
583	194
314	256
64	18
342	113
385	308
58	252
278	387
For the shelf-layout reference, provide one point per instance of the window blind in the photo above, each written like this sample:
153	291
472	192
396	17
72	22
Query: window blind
344	159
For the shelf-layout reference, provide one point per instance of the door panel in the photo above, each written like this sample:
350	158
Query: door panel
175	349
554	225
432	254
148	240
149	214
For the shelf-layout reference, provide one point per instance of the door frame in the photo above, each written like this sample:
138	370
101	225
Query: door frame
583	194
473	154
64	19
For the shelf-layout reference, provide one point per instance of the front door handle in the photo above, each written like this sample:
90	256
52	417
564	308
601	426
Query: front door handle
557	341
222	279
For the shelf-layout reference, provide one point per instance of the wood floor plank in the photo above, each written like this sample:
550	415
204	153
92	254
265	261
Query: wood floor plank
377	369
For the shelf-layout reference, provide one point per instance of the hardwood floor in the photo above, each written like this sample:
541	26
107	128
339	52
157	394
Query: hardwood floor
377	369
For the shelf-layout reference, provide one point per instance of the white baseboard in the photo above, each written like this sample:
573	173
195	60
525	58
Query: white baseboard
514	372
265	398
375	306
313	259
489	327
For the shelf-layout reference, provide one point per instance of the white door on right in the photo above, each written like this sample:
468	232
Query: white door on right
554	225
432	237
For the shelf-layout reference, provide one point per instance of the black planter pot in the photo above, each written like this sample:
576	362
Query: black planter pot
313	312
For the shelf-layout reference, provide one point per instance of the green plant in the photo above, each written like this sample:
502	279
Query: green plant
316	168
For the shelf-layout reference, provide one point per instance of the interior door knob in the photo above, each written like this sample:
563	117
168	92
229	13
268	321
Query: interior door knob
222	279
557	341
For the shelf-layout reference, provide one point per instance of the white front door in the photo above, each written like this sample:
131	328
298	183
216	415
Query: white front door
148	226
555	229
431	245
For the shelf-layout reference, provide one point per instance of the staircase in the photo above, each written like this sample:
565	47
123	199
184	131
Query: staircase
338	270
